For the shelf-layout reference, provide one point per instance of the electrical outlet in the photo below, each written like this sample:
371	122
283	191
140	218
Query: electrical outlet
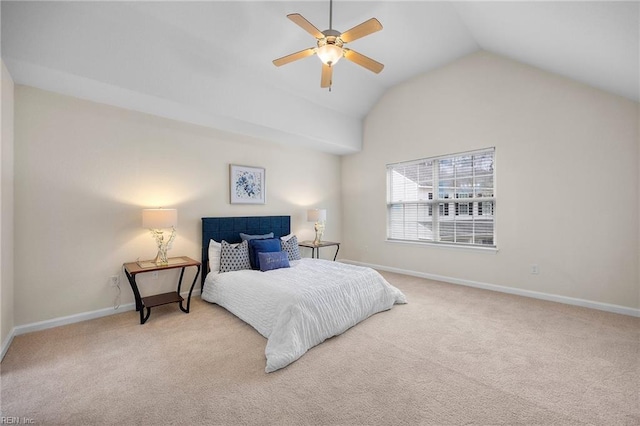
114	280
154	275
535	270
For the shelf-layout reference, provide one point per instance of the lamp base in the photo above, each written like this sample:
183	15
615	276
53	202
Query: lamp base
161	258
163	245
319	227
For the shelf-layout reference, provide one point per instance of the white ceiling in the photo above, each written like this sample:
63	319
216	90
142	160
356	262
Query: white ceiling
209	63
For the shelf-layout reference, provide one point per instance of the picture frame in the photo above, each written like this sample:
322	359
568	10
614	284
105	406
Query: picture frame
247	185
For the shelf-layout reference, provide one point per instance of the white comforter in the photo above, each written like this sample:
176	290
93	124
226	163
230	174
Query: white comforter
299	307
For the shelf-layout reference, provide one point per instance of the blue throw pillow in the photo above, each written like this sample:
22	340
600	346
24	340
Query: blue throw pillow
247	237
273	260
262	246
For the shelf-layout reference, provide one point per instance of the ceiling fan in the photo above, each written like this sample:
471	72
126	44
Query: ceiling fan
330	46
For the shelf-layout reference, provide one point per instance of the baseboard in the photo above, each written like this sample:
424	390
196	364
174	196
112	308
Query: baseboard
617	309
71	319
7	343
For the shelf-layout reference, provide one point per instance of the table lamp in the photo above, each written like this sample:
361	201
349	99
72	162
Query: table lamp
157	220
319	216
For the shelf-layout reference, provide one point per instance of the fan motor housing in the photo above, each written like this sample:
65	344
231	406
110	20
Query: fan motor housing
331	37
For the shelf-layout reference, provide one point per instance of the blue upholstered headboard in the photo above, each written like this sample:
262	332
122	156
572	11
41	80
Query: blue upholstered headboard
229	229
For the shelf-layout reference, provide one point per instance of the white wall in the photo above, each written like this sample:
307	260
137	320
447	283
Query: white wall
85	170
567	178
6	207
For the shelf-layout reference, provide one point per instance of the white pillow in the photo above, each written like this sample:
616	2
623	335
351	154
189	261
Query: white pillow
214	256
287	237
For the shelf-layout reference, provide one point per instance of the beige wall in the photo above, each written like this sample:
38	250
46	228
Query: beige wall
84	171
567	178
6	206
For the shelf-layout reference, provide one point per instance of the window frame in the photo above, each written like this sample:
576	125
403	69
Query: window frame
439	205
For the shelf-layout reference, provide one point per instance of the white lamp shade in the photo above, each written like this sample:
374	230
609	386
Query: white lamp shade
159	218
316	215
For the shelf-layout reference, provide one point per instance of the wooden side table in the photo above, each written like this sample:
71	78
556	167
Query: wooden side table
315	248
132	269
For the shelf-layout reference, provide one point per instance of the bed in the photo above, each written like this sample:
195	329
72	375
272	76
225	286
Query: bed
295	307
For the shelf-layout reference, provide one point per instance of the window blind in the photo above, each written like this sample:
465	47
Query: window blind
448	199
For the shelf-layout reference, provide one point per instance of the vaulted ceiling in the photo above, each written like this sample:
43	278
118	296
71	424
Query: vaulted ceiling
209	63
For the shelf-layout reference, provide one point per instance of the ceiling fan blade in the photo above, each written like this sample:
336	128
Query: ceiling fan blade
305	25
294	56
359	31
363	61
327	72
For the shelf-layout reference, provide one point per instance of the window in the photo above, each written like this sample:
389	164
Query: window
459	186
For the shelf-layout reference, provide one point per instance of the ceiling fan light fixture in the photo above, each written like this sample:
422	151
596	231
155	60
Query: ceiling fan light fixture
329	53
330	46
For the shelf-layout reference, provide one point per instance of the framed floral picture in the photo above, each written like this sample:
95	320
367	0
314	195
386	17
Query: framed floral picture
247	185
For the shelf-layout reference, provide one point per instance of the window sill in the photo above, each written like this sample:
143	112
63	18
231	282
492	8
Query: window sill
445	246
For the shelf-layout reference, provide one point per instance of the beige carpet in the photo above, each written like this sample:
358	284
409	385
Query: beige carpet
453	355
